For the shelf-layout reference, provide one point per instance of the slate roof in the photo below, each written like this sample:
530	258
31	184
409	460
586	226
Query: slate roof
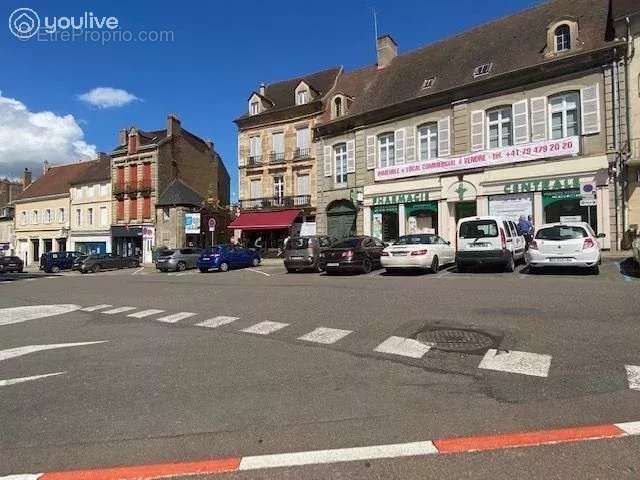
98	170
57	180
179	193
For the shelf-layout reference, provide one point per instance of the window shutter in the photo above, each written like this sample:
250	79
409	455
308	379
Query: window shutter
521	122
327	161
240	159
444	137
351	156
371	152
538	119
398	142
477	130
590	109
410	150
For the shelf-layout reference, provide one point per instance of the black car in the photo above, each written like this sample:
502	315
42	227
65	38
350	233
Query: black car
53	262
11	264
354	254
105	261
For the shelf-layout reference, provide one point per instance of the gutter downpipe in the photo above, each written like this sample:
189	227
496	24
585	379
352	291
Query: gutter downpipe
616	169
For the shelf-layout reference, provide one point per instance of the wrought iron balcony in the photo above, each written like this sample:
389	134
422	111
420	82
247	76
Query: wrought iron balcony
302	153
253	161
276	157
266	203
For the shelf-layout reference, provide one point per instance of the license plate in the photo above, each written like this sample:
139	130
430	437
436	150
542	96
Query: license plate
478	245
333	264
399	254
560	259
296	258
206	258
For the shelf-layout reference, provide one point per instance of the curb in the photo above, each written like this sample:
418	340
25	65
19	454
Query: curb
447	446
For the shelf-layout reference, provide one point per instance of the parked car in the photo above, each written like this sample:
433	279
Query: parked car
53	262
489	240
178	259
225	257
105	261
303	253
565	245
11	264
418	251
353	254
636	251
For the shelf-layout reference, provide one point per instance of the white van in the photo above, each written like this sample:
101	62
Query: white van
488	241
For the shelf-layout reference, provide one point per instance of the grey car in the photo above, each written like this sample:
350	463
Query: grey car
303	253
178	259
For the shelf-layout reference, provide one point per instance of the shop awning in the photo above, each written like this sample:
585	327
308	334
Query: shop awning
265	220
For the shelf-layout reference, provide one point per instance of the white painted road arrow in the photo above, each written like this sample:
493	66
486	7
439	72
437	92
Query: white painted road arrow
19	351
33	312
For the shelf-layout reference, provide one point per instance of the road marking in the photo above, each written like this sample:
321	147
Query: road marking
138	271
145	313
118	310
265	328
33	312
35	476
26	350
406	347
633	376
337	455
95	307
53	276
512	361
258	271
176	317
325	335
30	279
630	428
14	381
216	322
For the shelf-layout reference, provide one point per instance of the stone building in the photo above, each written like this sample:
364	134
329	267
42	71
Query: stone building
277	158
9	191
143	166
520	116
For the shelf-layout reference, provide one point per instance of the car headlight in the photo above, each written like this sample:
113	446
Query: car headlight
322	255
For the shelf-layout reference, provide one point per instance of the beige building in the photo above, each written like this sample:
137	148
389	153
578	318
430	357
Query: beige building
501	127
90	209
277	158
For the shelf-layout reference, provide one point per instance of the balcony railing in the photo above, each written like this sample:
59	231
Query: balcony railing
276	157
302	153
254	160
265	203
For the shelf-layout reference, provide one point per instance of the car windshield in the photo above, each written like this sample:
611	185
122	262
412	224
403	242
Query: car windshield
416	240
297	243
348	243
479	229
561	232
165	253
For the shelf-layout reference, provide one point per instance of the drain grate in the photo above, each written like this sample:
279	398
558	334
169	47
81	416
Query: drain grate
457	339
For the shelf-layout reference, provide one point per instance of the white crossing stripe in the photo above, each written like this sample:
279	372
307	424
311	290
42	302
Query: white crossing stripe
265	328
145	313
406	347
216	322
633	376
14	381
118	310
337	455
325	335
630	428
176	317
512	361
95	307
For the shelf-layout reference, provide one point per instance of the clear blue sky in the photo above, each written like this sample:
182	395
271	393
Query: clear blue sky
221	51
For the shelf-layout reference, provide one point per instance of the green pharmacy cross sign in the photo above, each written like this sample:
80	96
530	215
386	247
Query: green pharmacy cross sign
461	190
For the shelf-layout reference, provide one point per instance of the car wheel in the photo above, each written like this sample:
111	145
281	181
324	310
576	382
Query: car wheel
435	265
95	268
204	270
533	270
366	266
181	267
55	269
510	266
290	270
255	262
318	268
461	268
20	270
224	267
595	270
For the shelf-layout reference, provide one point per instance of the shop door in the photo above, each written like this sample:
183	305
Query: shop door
341	219
465	209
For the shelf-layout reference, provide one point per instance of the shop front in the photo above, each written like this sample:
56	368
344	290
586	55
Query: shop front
129	241
265	231
90	243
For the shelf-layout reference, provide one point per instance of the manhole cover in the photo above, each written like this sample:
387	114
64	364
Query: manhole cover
457	339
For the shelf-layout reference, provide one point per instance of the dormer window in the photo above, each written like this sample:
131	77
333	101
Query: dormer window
482	70
302	97
254	107
337	103
428	83
562	35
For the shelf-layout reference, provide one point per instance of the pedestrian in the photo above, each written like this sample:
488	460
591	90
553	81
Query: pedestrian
258	244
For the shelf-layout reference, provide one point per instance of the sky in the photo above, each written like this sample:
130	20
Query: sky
63	99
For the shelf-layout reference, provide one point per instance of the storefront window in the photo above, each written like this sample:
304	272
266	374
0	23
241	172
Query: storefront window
564	206
421	218
384	224
511	207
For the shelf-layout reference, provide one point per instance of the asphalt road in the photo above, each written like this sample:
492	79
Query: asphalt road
160	388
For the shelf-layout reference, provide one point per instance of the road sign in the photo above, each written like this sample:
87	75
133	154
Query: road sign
588	202
212	224
587	189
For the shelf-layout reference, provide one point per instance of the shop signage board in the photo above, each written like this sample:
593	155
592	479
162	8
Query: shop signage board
488	158
542	185
413	197
570	218
549	198
192	223
588	202
512	206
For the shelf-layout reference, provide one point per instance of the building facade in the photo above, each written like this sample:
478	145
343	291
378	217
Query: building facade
90	209
7	230
143	165
277	158
427	138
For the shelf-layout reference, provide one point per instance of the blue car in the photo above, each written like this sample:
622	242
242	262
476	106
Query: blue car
224	257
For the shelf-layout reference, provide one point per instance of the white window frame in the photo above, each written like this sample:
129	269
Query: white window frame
306	139
254	107
302	97
278	188
562	109
562	42
307	183
386	150
78	216
34	217
24	218
430	137
275	135
340	164
90	216
61	218
501	122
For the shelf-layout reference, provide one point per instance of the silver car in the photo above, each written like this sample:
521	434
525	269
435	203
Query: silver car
178	259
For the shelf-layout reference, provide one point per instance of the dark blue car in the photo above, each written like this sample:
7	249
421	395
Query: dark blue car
224	257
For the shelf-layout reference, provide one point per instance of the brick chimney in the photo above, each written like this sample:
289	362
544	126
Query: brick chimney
133	141
173	125
123	135
45	167
26	178
387	50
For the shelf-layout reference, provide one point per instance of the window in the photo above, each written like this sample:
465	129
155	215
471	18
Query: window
499	127
61	216
428	83
428	140
78	217
302	140
104	216
254	148
255	189
479	229
386	151
90	216
146	207
278	146
165	214
337	105
340	156
562	37
563	115
278	188
120	210
23	218
302	97
481	70
34	216
302	185
47	216
254	107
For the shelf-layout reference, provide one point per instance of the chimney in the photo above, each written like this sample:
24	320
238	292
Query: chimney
173	125
26	178
45	167
209	142
261	90
387	50
132	144
122	136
